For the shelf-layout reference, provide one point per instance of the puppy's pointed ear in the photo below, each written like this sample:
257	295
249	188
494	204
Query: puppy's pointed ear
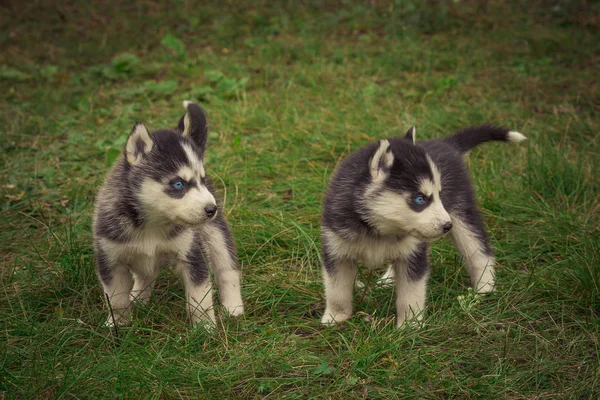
193	124
139	144
381	162
411	134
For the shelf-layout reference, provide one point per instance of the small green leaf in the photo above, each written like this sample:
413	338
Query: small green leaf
236	141
125	64
323	369
214	75
446	83
173	43
48	72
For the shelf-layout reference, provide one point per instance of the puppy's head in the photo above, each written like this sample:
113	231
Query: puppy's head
404	194
166	169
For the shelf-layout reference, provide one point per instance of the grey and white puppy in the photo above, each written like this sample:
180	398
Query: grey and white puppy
387	201
156	202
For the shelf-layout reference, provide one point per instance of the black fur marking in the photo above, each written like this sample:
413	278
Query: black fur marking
416	206
197	261
109	226
177	193
410	168
140	147
381	165
114	220
135	216
410	134
199	125
418	263
103	266
328	260
222	225
175	231
167	156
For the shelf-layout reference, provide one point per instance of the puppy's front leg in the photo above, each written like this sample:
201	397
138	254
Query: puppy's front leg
411	277
339	276
473	244
144	271
223	261
198	286
116	281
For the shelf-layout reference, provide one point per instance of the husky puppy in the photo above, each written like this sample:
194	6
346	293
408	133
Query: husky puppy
157	201
388	201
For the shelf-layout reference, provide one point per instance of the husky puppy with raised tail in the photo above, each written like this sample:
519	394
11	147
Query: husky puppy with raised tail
156	202
388	201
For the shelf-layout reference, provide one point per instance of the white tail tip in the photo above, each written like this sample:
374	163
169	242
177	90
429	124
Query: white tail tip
514	136
186	103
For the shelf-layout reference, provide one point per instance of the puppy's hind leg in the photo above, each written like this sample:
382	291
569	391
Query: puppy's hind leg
472	243
338	276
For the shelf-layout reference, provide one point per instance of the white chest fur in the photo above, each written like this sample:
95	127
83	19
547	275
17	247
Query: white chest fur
373	252
148	244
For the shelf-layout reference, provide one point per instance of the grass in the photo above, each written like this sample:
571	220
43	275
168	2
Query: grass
291	88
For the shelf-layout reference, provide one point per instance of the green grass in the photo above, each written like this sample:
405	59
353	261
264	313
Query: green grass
291	88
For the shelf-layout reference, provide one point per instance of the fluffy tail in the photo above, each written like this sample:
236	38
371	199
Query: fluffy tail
468	138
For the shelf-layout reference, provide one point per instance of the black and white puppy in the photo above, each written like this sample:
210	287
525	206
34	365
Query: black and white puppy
157	202
387	201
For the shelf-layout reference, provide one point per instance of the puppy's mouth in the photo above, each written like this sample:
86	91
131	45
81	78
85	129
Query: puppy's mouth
192	223
425	238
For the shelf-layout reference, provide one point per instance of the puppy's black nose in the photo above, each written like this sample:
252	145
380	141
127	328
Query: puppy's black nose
447	226
210	211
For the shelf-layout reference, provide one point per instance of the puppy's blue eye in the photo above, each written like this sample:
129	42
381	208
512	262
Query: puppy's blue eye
177	185
420	200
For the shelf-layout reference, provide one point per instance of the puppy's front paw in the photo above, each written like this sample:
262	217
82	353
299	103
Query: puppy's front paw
203	317
119	320
334	317
486	281
235	311
416	322
408	317
485	287
139	298
204	324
